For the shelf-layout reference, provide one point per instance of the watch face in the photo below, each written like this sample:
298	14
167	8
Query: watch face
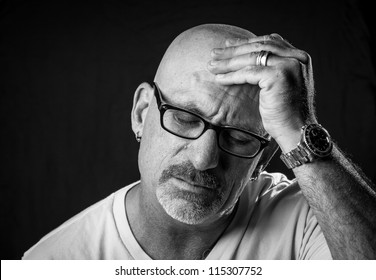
317	140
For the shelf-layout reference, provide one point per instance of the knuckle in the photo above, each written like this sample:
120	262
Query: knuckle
248	69
276	36
230	50
306	58
269	37
223	63
258	45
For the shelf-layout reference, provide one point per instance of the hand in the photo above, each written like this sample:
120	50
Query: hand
286	82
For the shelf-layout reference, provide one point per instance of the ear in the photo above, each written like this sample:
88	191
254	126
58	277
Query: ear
266	156
142	99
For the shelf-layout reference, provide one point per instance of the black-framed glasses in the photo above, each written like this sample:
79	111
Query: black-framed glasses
188	125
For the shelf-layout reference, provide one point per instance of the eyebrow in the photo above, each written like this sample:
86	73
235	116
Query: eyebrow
188	106
191	107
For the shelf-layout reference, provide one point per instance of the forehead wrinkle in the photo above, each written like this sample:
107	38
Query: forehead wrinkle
218	115
230	113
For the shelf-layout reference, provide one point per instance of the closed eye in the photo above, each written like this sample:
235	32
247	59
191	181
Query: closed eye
186	119
239	138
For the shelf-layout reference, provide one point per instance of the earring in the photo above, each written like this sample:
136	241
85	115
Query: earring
256	173
138	137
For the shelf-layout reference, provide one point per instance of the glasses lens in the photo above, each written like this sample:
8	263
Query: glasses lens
239	143
183	123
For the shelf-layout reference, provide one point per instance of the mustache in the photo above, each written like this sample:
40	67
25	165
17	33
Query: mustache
186	171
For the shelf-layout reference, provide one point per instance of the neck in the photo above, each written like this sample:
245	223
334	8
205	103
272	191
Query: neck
162	237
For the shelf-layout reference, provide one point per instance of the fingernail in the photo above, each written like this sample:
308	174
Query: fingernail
218	51
220	76
213	62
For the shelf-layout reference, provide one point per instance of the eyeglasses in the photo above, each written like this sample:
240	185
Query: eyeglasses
188	125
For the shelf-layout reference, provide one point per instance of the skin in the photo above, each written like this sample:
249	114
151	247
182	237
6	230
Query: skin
184	79
213	68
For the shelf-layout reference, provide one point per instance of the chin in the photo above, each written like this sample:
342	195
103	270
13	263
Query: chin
187	207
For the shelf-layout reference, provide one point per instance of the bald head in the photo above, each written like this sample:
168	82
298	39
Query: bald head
190	51
184	77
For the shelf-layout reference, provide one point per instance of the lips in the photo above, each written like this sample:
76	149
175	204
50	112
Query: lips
194	184
187	175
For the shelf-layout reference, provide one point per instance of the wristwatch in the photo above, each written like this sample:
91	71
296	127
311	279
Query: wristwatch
315	143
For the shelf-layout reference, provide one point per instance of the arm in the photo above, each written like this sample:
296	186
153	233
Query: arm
344	204
342	198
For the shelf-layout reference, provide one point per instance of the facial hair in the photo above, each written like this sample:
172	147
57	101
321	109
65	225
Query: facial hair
187	206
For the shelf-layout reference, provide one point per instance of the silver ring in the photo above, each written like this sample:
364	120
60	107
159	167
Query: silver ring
262	58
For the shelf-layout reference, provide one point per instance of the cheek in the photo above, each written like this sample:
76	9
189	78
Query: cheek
239	170
156	149
150	145
238	177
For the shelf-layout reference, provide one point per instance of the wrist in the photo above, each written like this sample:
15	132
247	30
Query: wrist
315	142
289	137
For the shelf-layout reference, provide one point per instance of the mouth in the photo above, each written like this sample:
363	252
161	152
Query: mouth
191	186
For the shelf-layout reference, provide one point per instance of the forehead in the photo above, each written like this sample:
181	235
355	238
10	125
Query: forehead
221	105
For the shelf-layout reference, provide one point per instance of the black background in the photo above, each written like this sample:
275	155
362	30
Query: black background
68	71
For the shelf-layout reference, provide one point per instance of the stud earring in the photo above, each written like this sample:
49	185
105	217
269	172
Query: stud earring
138	137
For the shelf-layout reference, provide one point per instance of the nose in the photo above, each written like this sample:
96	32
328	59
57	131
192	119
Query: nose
204	151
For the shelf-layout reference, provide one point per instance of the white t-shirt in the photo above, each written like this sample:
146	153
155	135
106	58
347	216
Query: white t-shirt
273	221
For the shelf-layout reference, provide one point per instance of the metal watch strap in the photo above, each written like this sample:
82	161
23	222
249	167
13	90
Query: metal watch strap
297	157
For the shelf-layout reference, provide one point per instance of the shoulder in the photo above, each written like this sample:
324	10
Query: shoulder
81	236
74	233
272	187
278	193
278	186
278	204
283	219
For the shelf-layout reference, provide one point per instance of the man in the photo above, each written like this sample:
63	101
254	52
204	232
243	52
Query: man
223	100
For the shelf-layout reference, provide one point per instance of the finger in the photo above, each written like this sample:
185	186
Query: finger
247	75
241	61
260	75
274	37
230	52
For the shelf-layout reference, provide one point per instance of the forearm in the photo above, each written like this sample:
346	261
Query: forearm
342	199
344	202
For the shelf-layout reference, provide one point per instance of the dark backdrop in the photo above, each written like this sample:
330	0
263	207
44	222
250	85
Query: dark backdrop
68	71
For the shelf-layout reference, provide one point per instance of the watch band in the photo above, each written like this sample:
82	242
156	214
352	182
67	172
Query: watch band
296	157
315	143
